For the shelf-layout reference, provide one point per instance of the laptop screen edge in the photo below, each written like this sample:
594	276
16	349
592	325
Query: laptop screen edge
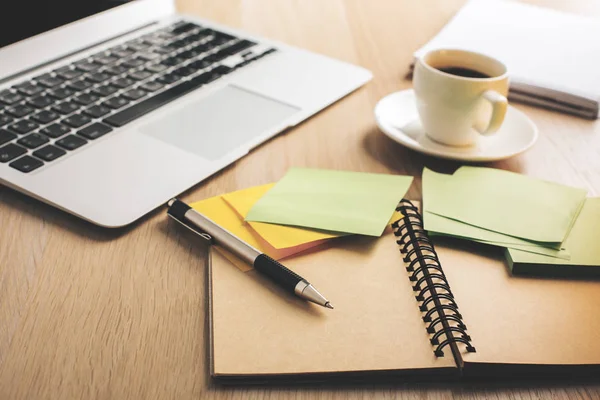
80	34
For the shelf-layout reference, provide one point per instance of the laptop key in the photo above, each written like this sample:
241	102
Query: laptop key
105	90
122	83
192	38
168	78
133	62
212	75
61	93
121	52
177	44
86	99
49	153
148	56
6	136
116	70
41	101
152	86
184	71
98	77
81	84
19	111
201	64
237	47
183	27
142	108
116	102
134	94
106	60
222	38
77	120
8	97
26	164
187	54
24	126
155	68
10	152
33	141
66	107
216	57
55	130
28	89
71	142
201	48
137	45
49	81
87	66
172	61
5	119
94	131
97	111
45	116
67	73
140	75
163	50
153	40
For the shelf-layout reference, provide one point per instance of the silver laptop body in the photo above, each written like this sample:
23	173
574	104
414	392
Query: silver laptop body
110	116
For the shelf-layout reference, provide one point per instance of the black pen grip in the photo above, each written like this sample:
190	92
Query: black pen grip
277	272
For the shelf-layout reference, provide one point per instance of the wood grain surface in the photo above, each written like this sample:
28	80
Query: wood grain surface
90	313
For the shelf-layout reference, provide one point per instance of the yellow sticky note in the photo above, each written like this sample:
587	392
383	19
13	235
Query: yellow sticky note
278	236
217	210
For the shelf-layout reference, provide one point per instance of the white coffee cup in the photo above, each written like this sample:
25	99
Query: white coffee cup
456	106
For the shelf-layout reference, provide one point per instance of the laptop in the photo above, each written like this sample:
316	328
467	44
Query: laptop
109	108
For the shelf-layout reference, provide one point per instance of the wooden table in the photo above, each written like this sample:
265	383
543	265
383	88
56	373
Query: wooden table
120	314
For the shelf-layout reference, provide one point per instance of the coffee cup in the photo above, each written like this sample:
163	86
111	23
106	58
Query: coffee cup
460	95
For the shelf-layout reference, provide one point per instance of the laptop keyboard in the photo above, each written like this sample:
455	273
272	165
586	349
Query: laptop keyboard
46	117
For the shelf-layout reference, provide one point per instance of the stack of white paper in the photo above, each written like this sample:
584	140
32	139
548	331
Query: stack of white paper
553	58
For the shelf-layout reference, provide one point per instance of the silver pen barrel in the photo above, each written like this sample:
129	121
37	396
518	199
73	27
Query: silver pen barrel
223	238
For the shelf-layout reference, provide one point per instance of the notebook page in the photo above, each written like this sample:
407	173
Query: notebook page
376	324
518	320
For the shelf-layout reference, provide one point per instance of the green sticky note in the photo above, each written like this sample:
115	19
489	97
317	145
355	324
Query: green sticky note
438	225
341	201
582	243
504	202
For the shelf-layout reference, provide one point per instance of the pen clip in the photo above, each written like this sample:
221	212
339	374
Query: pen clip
203	235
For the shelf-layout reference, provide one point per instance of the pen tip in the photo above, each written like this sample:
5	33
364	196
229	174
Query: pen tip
328	305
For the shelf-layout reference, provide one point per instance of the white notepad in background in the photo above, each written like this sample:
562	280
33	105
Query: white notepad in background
553	57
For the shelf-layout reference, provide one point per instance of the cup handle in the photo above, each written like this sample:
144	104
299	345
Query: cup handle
499	106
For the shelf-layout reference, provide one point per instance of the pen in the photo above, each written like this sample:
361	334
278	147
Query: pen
264	264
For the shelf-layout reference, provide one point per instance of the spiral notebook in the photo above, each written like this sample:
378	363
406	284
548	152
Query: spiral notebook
404	307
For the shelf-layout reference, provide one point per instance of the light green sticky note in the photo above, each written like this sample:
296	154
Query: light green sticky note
437	223
562	254
582	243
342	201
505	202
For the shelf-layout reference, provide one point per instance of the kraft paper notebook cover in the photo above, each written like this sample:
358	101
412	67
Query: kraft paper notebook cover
452	311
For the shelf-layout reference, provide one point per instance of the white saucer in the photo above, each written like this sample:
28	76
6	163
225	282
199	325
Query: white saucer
397	117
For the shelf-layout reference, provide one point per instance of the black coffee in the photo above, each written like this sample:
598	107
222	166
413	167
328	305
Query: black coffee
466	72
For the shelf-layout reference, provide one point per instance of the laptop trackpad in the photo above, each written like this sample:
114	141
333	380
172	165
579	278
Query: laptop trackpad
214	125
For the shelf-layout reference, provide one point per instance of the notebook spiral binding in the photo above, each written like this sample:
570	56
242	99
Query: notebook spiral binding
437	303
